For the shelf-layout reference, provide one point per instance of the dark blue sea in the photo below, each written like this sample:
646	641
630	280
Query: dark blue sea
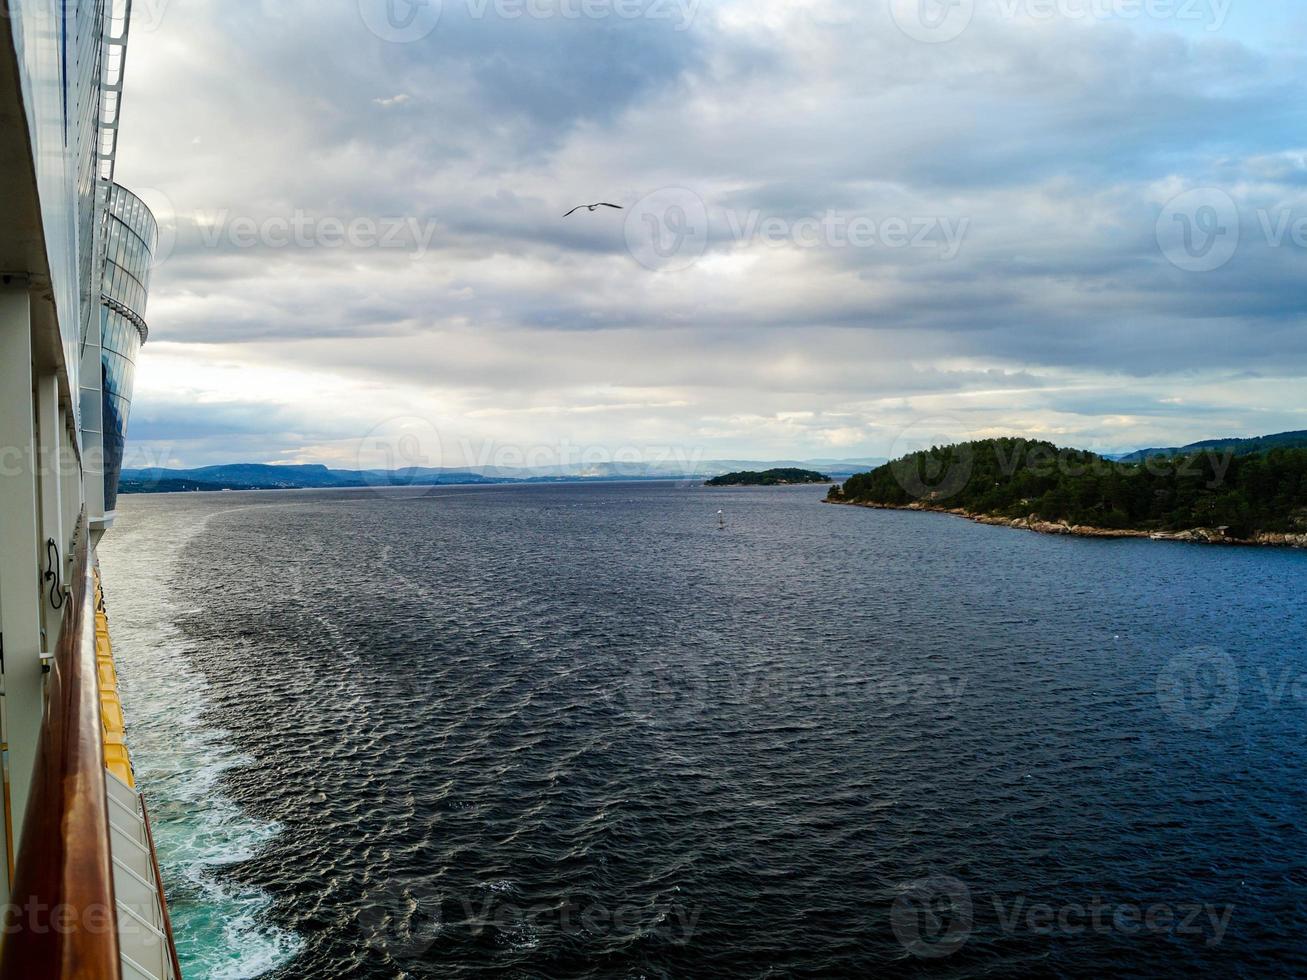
580	731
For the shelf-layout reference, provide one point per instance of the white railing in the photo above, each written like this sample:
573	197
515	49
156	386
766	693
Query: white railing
117	28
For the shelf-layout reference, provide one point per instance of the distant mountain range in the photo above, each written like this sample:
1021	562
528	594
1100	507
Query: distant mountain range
1240	447
266	476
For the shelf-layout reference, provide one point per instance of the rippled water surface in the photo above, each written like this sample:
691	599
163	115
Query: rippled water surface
561	731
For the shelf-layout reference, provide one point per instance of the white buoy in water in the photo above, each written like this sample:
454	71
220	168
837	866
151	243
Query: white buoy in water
721	520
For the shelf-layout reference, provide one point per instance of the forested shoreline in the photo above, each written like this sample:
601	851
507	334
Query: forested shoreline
1029	480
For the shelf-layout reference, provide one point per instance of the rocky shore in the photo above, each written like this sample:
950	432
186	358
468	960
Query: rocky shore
1200	535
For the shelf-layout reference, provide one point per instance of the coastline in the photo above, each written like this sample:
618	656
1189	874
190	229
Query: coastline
736	486
1197	535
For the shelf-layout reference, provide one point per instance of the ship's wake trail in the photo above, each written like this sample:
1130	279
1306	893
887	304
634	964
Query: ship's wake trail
220	924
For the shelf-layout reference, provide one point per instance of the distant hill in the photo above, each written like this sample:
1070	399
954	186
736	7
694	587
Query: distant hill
266	476
1240	447
768	478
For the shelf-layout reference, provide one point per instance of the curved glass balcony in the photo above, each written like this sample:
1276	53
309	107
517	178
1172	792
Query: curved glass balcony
131	236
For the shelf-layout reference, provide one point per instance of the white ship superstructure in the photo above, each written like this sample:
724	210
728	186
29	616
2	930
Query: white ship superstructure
80	883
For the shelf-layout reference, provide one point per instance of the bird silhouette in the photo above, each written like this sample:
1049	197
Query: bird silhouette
591	207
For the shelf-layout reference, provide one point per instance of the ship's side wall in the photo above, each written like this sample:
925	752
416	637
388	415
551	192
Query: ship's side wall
50	102
75	253
58	50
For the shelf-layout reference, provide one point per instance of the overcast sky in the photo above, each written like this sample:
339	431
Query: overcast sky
848	227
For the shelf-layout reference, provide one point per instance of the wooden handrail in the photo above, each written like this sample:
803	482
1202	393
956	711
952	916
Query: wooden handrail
62	920
158	883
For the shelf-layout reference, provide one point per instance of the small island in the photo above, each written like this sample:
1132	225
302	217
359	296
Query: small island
769	478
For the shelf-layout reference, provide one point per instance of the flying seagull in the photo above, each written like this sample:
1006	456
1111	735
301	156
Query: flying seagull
591	207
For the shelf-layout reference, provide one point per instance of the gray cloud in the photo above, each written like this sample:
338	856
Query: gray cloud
1056	148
